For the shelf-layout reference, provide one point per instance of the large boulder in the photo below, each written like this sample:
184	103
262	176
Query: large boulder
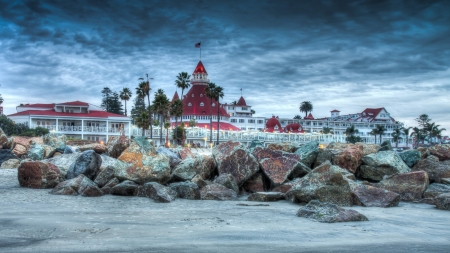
217	192
286	186
10	164
256	183
20	149
38	175
58	141
254	144
368	148
89	189
3	139
441	151
71	149
68	187
443	201
435	169
349	158
106	189
283	146
329	213
308	152
88	164
186	190
116	145
265	196
233	158
410	157
98	148
104	176
126	188
185	153
49	151
384	163
435	189
6	154
63	161
188	168
36	151
144	164
159	193
386	146
174	158
228	181
326	184
366	195
410	185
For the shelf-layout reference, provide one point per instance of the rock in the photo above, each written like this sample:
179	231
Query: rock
424	151
58	141
383	163
366	195
104	176
159	193
326	184
98	148
49	151
174	159
368	148
349	158
254	144
443	180
286	186
38	175
308	152
10	164
232	158
71	149
228	181
386	146
88	163
410	185
266	196
126	188
443	201
108	186
20	150
68	187
436	170
285	146
410	157
3	138
441	151
256	183
63	161
116	145
217	192
185	153
200	182
329	213
144	164
436	189
188	168
89	189
6	154
186	190
36	151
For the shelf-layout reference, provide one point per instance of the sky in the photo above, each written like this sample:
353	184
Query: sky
345	55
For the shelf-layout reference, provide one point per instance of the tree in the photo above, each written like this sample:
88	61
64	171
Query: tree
138	107
183	82
142	121
1	100
417	135
381	129
306	107
218	95
423	120
434	132
209	92
396	135
327	130
192	123
161	107
144	90
178	134
297	117
374	132
115	106
106	93
176	110
351	132
167	126
125	95
252	111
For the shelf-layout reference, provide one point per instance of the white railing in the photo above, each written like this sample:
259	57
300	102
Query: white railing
86	129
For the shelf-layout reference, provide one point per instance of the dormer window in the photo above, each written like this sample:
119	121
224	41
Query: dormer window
202	104
213	104
192	95
189	104
201	95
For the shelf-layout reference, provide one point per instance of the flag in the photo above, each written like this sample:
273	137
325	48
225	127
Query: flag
198	44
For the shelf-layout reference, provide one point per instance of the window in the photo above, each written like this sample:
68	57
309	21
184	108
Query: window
201	95
244	108
202	104
213	104
251	121
241	120
192	95
260	121
189	104
233	120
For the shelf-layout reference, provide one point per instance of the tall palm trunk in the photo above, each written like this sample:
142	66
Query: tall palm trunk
182	93
160	129
218	120
210	120
150	117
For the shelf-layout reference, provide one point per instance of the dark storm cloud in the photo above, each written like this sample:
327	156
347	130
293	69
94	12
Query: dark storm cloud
344	55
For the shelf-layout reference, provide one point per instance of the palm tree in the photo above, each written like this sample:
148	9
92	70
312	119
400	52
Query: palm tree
405	131
396	135
183	82
297	117
161	108
374	132
176	110
327	130
381	129
417	134
306	107
125	95
433	131
142	121
1	100
209	92
144	90
350	132
437	132
219	94
167	126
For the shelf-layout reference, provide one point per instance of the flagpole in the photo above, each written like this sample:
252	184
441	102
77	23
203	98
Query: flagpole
200	50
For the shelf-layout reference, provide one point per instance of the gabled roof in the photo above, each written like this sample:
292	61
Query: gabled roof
175	96
195	97
335	110
241	102
53	113
372	112
223	126
38	105
309	116
75	103
200	69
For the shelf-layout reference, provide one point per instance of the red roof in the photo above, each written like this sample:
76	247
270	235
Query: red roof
175	96
38	105
335	110
200	69
223	126
192	102
309	116
75	103
242	101
91	114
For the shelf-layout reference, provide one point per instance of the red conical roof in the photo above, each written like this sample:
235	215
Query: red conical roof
175	96
200	69
242	101
309	116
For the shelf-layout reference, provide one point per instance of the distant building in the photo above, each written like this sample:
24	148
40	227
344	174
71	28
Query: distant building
74	119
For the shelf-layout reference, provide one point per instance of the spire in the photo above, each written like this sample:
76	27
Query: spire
200	69
200	76
242	101
175	96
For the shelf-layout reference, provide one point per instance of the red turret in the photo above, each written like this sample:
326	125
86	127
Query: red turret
271	123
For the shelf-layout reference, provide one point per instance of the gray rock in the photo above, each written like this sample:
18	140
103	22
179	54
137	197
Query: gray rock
217	192
6	154
10	164
435	169
88	163
266	196
63	162
187	169
410	157
186	190
308	152
104	176
108	186
443	180
384	163
443	201
254	144
58	141
68	187
386	146
89	189
409	185
126	188
366	195
228	181
436	189
36	151
116	145
329	213
159	193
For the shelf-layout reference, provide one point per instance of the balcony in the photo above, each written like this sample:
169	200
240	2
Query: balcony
80	129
